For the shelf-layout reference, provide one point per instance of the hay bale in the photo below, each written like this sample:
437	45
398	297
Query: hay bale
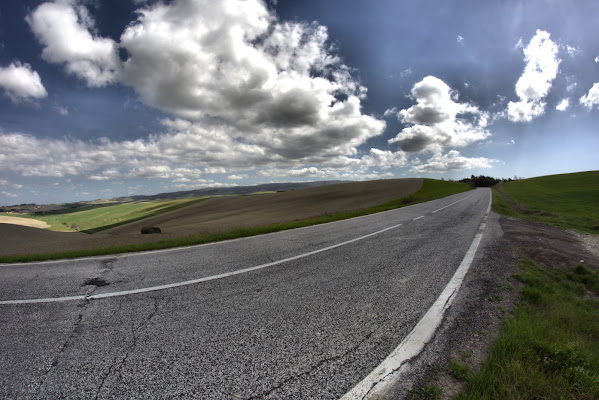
150	229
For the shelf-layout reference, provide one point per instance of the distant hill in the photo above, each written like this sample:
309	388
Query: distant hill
232	190
221	191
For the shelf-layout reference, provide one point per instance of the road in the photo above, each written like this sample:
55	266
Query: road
302	314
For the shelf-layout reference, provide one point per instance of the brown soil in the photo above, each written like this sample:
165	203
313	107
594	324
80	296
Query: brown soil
219	214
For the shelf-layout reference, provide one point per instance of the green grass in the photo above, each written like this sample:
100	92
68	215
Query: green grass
549	348
427	392
567	201
431	189
94	219
459	370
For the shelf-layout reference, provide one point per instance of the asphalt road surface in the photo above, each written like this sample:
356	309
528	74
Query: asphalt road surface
325	305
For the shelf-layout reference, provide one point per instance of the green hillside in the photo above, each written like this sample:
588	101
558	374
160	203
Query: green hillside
567	201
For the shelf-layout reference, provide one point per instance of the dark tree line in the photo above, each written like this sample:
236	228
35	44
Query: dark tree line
483	181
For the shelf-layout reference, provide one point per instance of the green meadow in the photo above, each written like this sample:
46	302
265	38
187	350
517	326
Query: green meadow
549	347
567	201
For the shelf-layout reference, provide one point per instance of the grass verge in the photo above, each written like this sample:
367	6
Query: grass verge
548	349
431	190
567	201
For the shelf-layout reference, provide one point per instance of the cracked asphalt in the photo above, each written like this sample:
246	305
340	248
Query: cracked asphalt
309	328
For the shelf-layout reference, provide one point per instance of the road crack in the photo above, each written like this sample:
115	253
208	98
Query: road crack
311	368
116	365
134	333
75	331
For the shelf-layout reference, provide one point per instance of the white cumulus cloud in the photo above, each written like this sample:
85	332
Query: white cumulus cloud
541	68
20	82
65	29
563	105
591	99
269	87
437	121
452	161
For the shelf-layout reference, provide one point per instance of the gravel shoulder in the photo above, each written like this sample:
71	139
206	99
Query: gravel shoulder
488	295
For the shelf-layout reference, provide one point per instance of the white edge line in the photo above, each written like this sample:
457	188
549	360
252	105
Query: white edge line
194	281
142	253
48	300
388	372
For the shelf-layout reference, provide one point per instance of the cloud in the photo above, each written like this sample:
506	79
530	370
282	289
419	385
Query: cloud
238	177
563	105
6	194
452	161
324	173
65	29
572	51
62	110
312	172
597	59
406	72
437	121
11	185
591	99
384	159
20	82
460	40
541	69
277	88
391	112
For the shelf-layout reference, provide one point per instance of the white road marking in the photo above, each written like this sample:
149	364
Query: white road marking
449	205
389	371
194	281
422	216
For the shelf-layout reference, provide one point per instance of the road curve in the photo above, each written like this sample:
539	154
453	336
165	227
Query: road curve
305	313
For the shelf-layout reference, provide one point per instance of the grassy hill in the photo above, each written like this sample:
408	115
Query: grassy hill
567	201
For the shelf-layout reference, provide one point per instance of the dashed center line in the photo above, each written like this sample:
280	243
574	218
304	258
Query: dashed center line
422	216
449	205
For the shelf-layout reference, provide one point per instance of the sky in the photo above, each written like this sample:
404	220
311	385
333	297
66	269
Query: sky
109	98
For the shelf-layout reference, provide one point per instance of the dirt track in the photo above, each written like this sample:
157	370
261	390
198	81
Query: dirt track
218	214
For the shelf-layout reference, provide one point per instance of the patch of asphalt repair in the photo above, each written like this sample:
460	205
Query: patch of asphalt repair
487	297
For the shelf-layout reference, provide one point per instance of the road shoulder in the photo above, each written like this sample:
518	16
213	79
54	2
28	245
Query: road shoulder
487	296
